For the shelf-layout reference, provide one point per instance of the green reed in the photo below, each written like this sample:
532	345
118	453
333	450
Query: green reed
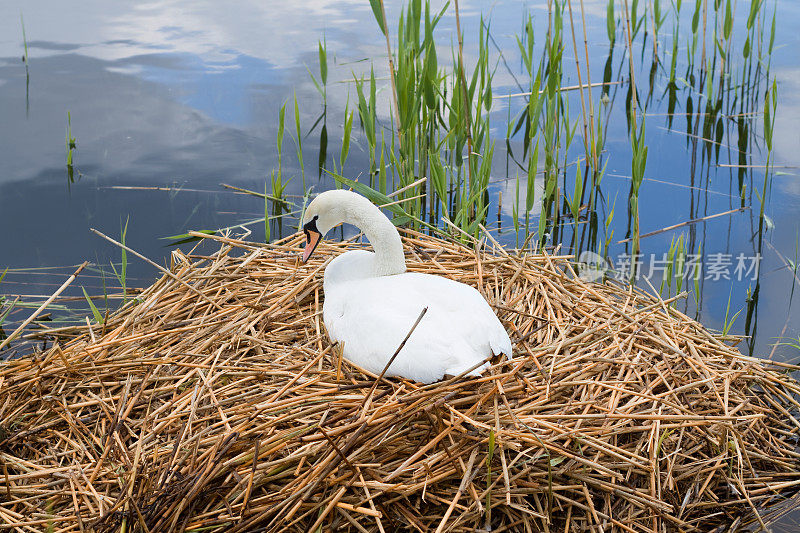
122	274
436	149
71	145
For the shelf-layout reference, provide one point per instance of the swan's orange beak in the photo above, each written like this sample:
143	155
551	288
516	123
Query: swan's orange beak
312	240
313	236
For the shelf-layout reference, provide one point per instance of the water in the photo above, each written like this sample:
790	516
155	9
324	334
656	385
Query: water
168	100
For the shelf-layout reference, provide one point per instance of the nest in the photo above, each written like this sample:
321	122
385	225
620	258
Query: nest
215	401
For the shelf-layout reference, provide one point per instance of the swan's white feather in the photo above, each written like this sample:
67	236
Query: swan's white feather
371	315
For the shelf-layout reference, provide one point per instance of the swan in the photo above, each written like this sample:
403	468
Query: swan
371	302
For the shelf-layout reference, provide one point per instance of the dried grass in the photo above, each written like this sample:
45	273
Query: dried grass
617	412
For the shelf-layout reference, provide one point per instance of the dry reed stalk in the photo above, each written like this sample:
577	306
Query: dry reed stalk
214	401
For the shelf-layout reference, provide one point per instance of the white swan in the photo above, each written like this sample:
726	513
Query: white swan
371	302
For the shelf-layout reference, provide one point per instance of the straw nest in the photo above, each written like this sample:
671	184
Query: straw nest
215	402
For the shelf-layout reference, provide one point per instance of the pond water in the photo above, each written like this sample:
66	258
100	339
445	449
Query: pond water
168	100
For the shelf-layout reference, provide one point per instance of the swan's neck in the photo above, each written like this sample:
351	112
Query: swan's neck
384	238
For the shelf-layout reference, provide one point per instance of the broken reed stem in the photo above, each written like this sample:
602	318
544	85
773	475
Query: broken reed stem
563	89
686	223
368	396
42	307
153	263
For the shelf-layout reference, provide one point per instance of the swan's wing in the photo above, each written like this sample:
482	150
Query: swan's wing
372	317
476	322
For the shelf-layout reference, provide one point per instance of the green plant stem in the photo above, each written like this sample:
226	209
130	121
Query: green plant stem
586	140
391	74
634	104
467	110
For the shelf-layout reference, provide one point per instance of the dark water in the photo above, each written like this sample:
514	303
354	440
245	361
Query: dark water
169	100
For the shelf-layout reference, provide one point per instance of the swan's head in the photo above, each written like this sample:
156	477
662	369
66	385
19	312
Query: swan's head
325	212
331	208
